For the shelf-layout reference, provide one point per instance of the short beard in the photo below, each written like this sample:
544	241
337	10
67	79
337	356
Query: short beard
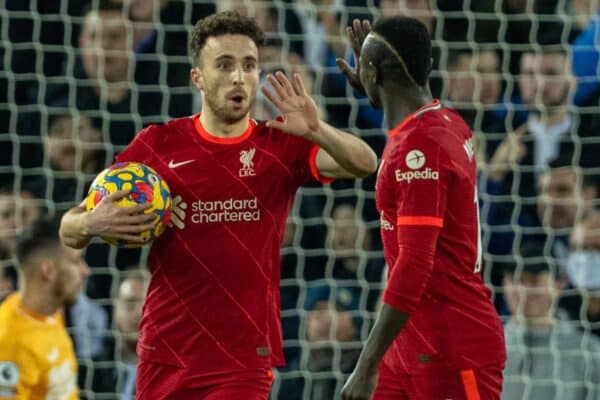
223	115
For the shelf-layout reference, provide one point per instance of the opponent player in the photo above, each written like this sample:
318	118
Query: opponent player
210	327
437	335
37	360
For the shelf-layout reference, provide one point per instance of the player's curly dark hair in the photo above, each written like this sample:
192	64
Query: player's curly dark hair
410	38
223	23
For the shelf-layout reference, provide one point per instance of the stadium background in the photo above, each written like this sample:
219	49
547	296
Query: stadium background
57	131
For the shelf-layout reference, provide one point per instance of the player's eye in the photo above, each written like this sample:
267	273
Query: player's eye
250	66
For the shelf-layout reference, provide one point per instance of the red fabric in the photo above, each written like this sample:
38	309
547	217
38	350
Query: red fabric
213	300
439	383
178	383
428	171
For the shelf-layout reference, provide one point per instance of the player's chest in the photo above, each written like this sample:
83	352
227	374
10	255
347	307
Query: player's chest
224	171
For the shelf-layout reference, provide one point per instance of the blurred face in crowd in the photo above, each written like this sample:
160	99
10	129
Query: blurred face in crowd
70	271
418	9
128	307
143	10
531	296
546	79
347	233
227	75
475	78
325	323
561	198
105	44
72	143
259	10
17	212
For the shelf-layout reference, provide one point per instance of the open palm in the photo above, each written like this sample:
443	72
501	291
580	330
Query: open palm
299	112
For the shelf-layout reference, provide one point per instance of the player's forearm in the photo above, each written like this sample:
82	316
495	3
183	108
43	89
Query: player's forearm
349	151
387	327
73	231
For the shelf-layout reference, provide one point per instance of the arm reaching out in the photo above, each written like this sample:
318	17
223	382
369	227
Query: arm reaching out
342	155
79	226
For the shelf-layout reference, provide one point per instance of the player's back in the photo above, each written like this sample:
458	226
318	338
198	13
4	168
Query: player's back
37	360
431	168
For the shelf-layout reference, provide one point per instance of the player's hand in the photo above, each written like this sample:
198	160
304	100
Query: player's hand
300	115
356	36
360	386
109	219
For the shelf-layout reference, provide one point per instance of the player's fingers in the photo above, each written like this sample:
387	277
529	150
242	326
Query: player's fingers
354	43
366	26
345	67
133	228
137	219
299	84
271	97
129	237
136	209
277	86
118	195
285	82
358	31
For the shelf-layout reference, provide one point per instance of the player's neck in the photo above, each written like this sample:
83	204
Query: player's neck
397	107
217	127
36	302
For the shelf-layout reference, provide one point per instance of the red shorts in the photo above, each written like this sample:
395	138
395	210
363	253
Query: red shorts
159	381
439	384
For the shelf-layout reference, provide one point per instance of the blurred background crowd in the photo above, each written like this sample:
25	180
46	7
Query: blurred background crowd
80	77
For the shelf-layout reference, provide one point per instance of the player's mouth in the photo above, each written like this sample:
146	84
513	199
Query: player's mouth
236	98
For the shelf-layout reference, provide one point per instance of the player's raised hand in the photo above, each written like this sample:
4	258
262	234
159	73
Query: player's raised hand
356	36
299	112
109	219
359	386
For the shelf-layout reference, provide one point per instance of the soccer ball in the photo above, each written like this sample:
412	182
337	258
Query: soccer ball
146	187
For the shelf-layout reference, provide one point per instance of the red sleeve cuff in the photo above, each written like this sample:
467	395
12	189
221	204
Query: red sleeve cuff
399	302
312	162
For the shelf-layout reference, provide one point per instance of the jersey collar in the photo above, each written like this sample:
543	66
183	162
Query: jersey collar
434	105
204	134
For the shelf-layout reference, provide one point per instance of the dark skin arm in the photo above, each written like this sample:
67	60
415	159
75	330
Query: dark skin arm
361	384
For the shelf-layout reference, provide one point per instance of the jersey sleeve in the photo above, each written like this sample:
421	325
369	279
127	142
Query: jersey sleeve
141	149
421	176
303	154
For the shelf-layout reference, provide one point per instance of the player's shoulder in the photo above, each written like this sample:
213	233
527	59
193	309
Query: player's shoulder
10	322
161	132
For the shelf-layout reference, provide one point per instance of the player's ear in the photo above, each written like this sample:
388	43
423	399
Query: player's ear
47	269
197	77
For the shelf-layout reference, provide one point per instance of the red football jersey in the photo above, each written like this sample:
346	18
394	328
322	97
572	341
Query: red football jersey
213	299
427	178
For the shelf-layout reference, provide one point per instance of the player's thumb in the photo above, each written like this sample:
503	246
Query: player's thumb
275	124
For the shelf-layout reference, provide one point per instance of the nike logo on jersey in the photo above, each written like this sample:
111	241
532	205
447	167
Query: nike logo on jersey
173	164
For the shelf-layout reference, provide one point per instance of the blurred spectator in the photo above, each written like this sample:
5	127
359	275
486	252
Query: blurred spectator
271	18
106	85
550	131
419	9
472	88
117	367
72	156
333	325
585	54
18	210
547	357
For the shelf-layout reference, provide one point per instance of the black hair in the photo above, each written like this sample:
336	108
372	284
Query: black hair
410	39
223	23
41	236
